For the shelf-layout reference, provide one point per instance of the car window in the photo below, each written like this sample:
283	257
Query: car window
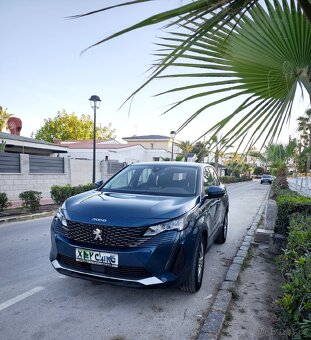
155	179
144	176
216	179
209	178
122	181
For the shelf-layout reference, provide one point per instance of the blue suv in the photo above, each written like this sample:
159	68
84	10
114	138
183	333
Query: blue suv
150	224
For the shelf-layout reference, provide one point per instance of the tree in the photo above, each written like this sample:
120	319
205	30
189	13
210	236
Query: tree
67	126
304	127
4	116
279	155
200	149
258	170
264	55
217	146
186	147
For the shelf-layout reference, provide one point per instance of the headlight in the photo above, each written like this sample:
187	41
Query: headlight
177	224
60	215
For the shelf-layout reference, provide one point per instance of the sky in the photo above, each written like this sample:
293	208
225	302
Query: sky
42	70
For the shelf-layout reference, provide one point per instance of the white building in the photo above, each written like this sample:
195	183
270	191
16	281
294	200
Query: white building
137	149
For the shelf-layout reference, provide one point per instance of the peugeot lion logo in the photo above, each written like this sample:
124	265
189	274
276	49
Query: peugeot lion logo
97	232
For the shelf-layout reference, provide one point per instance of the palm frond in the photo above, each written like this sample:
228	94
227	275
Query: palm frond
266	57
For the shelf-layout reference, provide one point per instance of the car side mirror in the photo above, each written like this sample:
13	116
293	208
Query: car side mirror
215	192
99	183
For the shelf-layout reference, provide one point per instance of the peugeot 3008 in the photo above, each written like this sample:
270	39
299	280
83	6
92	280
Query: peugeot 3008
150	224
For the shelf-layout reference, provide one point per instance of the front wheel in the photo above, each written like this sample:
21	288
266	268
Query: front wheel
195	277
222	236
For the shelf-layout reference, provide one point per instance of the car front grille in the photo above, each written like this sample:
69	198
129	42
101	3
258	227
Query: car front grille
114	237
136	273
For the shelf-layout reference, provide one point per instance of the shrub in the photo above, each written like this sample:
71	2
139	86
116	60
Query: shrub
228	179
31	199
233	179
295	265
244	179
287	205
60	193
259	170
4	202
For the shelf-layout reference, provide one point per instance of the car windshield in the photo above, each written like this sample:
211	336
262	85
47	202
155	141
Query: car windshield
266	176
153	179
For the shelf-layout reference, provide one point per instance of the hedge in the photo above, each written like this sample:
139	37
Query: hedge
4	201
295	265
233	179
288	204
31	199
60	193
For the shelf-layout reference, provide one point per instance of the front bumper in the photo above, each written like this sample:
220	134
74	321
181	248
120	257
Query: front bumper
164	259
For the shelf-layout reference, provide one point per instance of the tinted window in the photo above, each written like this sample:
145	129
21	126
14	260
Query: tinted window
216	179
209	178
155	179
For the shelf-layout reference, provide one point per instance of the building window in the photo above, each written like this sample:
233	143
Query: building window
156	159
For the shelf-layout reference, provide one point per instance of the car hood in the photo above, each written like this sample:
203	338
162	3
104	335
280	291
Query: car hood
122	209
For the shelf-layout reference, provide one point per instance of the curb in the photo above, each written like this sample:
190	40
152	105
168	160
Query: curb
26	217
216	317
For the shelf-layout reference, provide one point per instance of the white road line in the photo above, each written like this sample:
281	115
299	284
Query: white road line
20	297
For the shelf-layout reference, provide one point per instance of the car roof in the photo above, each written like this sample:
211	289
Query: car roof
189	164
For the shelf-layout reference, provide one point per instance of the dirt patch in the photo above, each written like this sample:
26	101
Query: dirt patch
252	313
24	212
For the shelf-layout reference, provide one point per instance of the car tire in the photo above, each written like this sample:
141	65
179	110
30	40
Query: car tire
195	277
222	236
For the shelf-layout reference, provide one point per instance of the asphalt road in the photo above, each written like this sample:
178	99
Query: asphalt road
38	303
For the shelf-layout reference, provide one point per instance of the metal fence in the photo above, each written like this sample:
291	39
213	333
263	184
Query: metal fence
10	163
46	165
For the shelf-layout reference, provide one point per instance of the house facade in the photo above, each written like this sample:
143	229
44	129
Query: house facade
137	149
156	142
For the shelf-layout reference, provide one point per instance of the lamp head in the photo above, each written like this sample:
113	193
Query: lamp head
95	101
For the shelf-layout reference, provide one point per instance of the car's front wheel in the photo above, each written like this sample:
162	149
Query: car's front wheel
195	277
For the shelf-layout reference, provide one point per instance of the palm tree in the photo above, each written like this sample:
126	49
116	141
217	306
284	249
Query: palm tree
279	155
4	116
304	127
261	57
201	151
186	147
217	145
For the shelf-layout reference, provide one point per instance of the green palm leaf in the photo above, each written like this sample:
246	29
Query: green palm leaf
265	56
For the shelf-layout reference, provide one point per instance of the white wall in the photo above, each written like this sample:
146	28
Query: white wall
14	184
133	154
77	172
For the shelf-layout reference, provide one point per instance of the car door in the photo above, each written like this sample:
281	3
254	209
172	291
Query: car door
211	205
221	202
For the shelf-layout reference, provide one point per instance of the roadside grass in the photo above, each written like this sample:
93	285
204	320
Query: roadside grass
248	257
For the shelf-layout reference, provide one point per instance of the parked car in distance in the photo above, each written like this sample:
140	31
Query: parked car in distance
266	179
150	224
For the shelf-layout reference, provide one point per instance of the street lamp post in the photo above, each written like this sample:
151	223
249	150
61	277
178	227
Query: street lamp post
95	103
173	134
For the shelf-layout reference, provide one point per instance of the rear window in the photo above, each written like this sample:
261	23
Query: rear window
154	179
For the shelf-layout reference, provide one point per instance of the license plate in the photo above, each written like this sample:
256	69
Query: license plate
96	257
